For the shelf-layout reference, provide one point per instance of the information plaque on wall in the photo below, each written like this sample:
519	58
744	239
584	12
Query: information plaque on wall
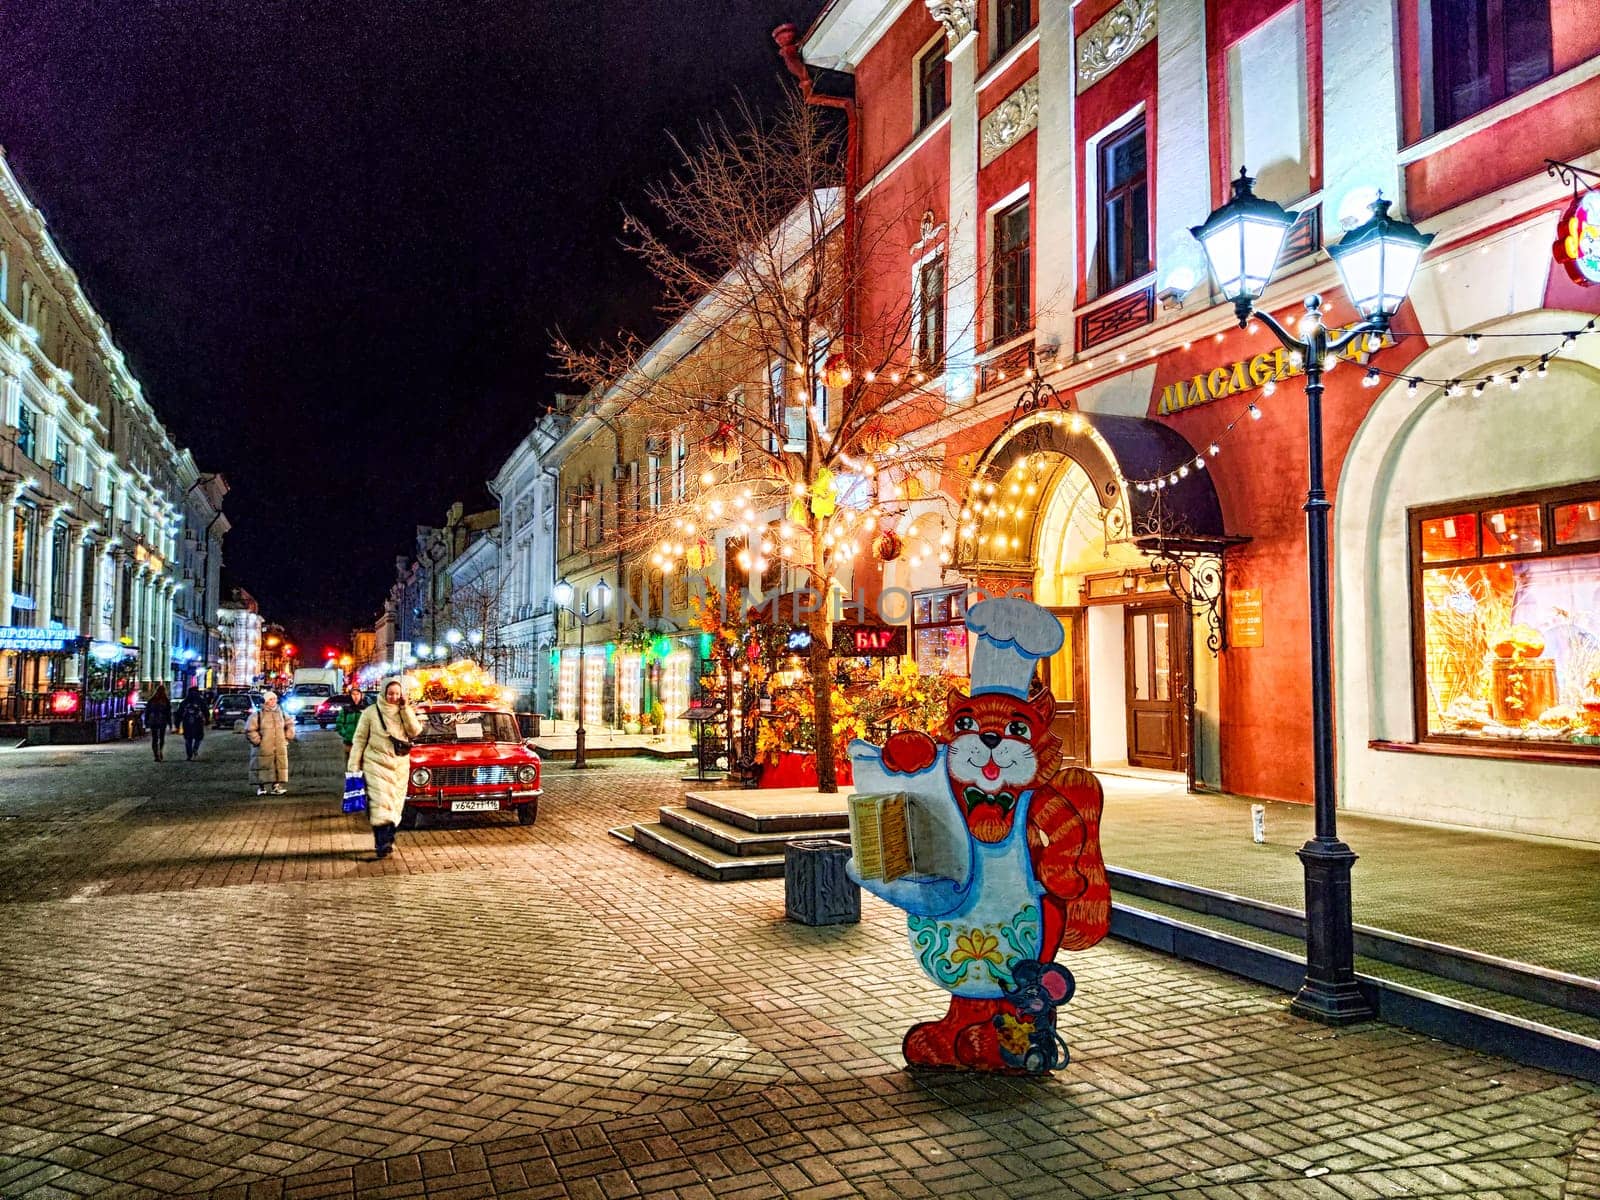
1244	618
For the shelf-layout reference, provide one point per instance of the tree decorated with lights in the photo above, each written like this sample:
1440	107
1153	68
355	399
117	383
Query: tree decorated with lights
800	401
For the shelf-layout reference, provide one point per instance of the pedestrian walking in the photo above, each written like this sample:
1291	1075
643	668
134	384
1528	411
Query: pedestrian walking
381	752
269	732
349	718
157	717
192	722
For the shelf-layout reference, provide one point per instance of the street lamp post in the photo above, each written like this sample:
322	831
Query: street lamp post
1376	261
594	610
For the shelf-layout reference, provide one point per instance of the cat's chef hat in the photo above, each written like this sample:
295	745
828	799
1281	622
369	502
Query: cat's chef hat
1012	636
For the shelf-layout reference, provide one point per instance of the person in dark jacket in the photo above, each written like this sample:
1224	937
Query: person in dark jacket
192	721
157	717
349	718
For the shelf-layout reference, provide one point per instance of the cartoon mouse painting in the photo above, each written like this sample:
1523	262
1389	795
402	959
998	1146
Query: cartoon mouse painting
1018	850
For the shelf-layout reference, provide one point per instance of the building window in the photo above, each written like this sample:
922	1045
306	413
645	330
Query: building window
1484	51
929	341
680	464
939	632
58	465
1011	273
1012	19
933	92
1506	598
1269	106
60	572
27	431
654	475
1124	208
24	554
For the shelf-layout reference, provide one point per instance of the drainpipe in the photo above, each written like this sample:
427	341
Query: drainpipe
788	39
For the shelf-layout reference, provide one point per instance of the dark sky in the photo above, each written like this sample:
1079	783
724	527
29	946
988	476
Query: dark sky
333	237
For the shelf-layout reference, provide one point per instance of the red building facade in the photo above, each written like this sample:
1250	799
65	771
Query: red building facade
1046	163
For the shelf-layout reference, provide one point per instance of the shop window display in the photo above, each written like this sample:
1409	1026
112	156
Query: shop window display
939	632
1508	619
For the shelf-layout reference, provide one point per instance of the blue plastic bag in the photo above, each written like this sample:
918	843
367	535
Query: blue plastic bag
355	793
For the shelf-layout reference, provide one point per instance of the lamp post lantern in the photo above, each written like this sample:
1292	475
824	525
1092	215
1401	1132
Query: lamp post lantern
594	610
1376	261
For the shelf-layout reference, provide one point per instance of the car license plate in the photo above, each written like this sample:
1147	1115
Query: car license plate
474	805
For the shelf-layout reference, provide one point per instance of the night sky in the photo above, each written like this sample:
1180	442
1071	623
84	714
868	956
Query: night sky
333	238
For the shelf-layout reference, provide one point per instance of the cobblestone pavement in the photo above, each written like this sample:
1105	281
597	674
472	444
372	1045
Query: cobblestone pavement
206	992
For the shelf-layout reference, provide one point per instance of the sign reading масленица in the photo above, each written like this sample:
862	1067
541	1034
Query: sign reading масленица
1245	375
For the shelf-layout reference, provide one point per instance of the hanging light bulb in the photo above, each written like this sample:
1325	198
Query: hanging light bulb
1269	387
1453	388
1482	383
1213	449
1199	463
1370	379
1255	413
1472	343
1411	388
1516	379
1544	368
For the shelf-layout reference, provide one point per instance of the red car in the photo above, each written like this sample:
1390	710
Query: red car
471	758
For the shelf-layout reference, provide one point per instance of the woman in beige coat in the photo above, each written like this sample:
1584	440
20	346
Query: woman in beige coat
269	732
387	770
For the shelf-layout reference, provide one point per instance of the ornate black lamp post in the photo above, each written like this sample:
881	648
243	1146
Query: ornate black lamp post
594	610
1376	262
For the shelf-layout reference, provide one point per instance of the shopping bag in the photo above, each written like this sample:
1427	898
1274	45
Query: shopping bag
355	793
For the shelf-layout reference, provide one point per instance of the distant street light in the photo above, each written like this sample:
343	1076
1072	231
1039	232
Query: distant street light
594	612
1376	261
453	636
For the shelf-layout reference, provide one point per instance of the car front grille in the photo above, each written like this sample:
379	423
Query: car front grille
472	776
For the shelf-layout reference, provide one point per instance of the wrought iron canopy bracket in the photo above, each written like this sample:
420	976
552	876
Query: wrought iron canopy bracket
1192	567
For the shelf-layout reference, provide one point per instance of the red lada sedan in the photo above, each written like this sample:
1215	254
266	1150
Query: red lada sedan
471	758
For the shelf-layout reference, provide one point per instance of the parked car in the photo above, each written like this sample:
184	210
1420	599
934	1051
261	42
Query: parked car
231	707
471	758
328	711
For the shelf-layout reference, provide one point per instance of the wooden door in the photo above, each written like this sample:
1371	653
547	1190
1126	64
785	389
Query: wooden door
1068	684
1157	687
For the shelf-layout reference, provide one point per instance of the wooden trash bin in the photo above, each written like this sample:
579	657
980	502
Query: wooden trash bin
816	890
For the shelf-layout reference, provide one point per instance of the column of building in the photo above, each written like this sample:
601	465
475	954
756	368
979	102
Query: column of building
8	526
963	320
44	589
78	539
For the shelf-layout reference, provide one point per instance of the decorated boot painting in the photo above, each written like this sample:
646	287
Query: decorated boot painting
1005	853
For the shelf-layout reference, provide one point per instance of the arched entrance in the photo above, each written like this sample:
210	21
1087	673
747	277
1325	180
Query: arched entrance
1051	510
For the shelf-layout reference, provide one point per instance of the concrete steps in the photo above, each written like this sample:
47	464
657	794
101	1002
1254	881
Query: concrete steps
1458	996
730	834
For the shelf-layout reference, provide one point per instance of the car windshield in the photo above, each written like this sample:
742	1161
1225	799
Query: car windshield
446	727
312	689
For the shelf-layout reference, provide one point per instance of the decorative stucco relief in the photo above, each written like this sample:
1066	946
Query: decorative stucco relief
955	15
1112	40
1011	119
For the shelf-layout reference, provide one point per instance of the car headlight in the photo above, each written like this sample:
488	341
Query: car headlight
421	777
527	774
294	705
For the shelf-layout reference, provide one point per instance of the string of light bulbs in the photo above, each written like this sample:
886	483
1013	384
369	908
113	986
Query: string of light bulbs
1537	365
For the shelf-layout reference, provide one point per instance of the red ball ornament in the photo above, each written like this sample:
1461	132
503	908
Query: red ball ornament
887	546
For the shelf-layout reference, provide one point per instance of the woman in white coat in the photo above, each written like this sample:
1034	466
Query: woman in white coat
269	732
381	751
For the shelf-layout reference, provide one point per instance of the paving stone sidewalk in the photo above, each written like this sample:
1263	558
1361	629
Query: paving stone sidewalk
1530	900
206	993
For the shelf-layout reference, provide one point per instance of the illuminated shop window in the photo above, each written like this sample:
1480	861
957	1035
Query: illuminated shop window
939	632
1508	619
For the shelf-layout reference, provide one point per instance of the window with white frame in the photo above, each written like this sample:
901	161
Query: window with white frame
680	464
1012	275
928	336
1123	253
933	90
1479	52
1269	107
1012	20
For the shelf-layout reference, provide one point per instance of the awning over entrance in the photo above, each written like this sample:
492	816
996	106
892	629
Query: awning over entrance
1001	521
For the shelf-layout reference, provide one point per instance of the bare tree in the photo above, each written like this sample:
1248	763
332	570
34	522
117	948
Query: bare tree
797	365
